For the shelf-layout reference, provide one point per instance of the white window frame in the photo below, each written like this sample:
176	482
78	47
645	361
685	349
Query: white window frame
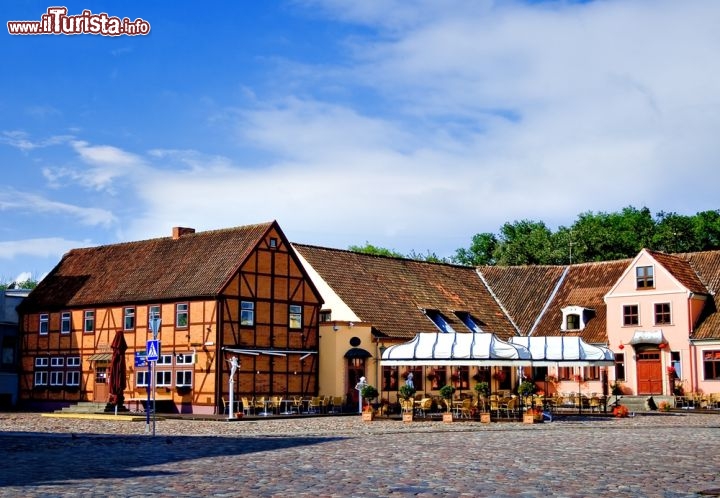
89	317
129	318
183	378
44	325
57	361
163	378
41	378
165	359
65	322
73	362
182	309
42	362
295	318
72	378
247	313
141	378
57	377
185	359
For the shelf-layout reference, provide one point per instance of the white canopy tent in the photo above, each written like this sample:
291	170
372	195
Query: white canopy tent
483	349
440	348
564	351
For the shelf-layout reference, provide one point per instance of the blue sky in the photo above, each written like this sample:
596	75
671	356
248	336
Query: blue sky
410	125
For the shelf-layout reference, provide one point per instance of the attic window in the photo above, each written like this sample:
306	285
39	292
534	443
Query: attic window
645	277
325	315
470	321
273	243
575	317
440	321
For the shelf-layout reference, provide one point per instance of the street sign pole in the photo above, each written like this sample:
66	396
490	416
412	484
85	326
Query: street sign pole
153	351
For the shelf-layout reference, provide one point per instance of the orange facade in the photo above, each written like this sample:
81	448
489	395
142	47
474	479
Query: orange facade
266	314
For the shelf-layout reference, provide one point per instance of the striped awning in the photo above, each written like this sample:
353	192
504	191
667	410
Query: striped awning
100	357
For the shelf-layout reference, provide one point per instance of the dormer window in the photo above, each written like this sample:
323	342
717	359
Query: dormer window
470	321
575	317
439	320
645	277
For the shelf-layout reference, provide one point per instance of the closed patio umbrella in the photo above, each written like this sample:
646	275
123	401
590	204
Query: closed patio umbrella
117	381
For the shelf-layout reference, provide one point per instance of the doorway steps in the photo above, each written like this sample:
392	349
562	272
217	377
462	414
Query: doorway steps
638	403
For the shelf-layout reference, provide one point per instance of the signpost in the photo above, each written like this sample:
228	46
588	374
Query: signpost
152	353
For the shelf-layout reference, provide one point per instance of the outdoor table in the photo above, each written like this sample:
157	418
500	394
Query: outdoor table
265	411
288	409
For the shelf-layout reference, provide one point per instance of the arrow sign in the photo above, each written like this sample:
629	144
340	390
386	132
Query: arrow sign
153	350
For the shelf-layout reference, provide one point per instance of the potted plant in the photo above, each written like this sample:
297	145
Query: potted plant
482	389
406	392
446	393
369	393
526	388
620	411
533	416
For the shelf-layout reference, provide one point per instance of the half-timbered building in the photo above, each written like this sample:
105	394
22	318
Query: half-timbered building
238	292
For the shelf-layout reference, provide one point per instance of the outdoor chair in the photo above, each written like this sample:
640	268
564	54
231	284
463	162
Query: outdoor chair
466	408
315	405
297	404
338	403
425	407
247	406
495	404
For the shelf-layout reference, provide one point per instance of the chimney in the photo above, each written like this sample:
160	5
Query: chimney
180	231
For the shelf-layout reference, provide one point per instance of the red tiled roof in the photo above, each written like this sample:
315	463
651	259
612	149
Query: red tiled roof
706	266
390	292
584	285
195	265
522	290
680	269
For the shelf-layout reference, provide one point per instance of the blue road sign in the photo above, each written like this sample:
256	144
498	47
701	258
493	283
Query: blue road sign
141	358
153	350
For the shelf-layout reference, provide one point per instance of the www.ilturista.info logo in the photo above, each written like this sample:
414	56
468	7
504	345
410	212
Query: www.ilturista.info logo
56	21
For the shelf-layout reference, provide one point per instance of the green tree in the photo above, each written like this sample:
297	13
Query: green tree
674	233
524	243
368	248
430	257
706	226
27	284
481	251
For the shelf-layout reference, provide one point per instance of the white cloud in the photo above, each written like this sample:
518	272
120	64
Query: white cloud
21	140
48	247
107	164
32	203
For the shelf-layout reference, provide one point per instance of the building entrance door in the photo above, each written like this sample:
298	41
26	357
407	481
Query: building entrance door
649	373
100	393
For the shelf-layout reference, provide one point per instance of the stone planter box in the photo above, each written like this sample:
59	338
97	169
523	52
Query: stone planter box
368	416
407	417
448	417
485	418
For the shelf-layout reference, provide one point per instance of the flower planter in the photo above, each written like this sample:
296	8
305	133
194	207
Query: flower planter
530	418
368	416
407	417
448	417
485	418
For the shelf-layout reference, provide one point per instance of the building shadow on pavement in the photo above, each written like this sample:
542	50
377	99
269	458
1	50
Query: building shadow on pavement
30	459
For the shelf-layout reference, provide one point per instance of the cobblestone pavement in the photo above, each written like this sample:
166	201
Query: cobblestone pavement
648	455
